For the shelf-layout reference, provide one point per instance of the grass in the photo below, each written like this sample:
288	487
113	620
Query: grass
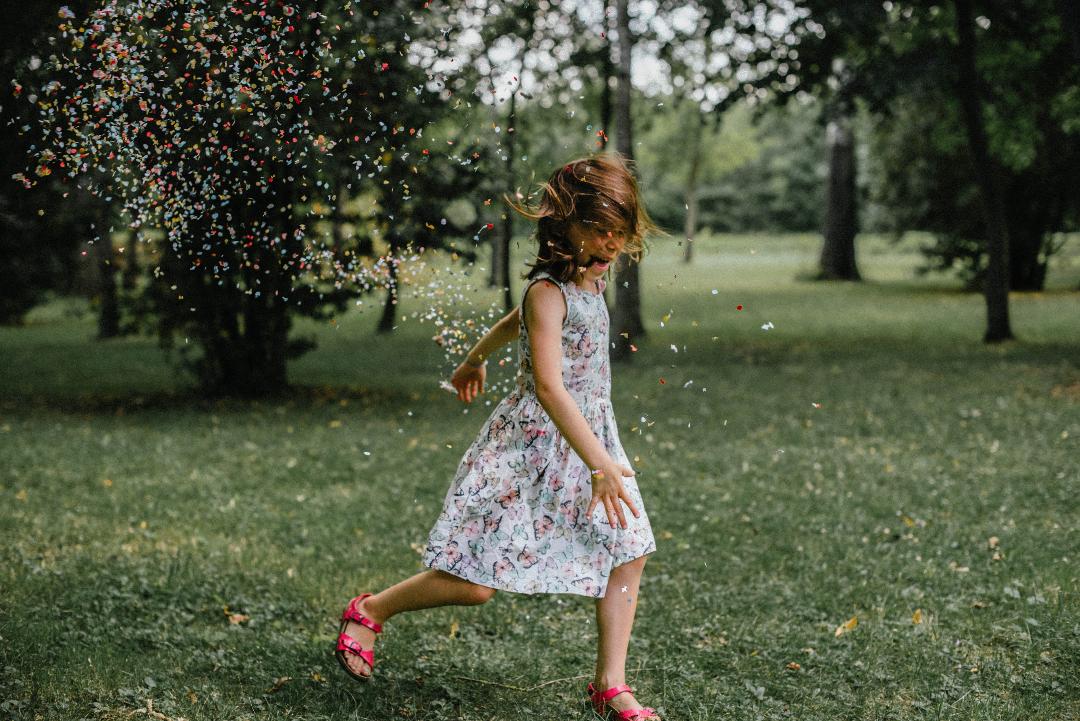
169	556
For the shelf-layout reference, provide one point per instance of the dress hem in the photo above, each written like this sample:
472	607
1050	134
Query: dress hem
509	589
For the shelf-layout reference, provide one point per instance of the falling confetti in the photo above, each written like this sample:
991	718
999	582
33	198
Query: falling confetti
211	122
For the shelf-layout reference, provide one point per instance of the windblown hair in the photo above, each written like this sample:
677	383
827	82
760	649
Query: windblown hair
598	193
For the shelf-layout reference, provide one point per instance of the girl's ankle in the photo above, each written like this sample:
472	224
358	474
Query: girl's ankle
372	613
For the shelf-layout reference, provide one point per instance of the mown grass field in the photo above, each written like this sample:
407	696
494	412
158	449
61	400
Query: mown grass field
164	555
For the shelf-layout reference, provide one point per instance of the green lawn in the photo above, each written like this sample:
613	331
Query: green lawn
935	477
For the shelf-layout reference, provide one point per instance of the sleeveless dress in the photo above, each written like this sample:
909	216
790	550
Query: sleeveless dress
513	518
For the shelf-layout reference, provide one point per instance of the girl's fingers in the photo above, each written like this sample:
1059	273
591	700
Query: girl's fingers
625	495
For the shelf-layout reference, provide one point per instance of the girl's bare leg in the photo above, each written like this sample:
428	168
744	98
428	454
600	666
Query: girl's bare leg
427	589
614	619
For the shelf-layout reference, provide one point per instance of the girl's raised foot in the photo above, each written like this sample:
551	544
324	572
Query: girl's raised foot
356	638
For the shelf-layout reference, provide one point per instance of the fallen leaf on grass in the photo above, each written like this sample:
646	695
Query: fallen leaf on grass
846	626
279	683
916	617
235	618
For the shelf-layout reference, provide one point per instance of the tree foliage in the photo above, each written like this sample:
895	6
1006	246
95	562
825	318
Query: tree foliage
232	126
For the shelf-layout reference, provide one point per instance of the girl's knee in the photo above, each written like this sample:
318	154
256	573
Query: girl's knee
637	564
482	594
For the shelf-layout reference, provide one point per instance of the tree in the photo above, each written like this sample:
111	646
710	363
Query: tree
837	260
1006	70
231	125
40	228
626	318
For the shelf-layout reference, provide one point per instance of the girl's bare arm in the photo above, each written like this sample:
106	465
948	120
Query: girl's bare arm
544	310
501	333
468	380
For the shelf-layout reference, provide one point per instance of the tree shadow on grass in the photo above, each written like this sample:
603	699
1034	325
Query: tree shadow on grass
296	397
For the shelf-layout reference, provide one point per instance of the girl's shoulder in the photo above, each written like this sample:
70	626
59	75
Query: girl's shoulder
545	275
538	280
541	276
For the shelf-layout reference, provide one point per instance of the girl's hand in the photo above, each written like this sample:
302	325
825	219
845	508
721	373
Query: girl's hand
607	488
468	381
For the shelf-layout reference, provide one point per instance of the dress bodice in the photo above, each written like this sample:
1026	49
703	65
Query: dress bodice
586	369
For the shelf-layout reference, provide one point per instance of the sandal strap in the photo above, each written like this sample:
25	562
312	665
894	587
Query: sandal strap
353	614
615	691
348	644
600	700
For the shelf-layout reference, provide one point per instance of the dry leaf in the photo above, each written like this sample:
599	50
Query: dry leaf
235	618
794	666
993	542
846	626
453	628
279	683
916	617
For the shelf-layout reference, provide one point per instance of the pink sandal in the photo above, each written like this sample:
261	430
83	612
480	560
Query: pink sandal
600	704
348	644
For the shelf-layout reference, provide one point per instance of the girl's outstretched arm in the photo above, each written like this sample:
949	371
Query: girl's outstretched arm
468	378
545	308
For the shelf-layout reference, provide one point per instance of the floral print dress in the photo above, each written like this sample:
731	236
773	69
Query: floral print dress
514	516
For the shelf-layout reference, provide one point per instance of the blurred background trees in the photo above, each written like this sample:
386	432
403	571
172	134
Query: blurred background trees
960	119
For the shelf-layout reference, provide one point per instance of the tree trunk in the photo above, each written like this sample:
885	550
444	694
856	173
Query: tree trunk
109	313
389	314
626	315
607	69
262	369
997	238
338	217
838	251
501	242
1069	10
692	183
1028	214
130	276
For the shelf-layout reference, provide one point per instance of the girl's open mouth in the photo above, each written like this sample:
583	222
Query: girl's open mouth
600	263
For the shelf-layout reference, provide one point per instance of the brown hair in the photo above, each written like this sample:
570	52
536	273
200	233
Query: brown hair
598	191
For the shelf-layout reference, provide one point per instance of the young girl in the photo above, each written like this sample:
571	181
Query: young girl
536	505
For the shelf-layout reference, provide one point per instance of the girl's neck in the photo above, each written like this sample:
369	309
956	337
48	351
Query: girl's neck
588	284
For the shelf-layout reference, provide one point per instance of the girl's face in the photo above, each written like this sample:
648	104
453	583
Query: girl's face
595	250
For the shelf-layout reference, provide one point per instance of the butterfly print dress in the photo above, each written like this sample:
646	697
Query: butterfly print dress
514	516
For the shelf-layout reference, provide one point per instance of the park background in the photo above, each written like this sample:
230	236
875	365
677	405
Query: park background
852	398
